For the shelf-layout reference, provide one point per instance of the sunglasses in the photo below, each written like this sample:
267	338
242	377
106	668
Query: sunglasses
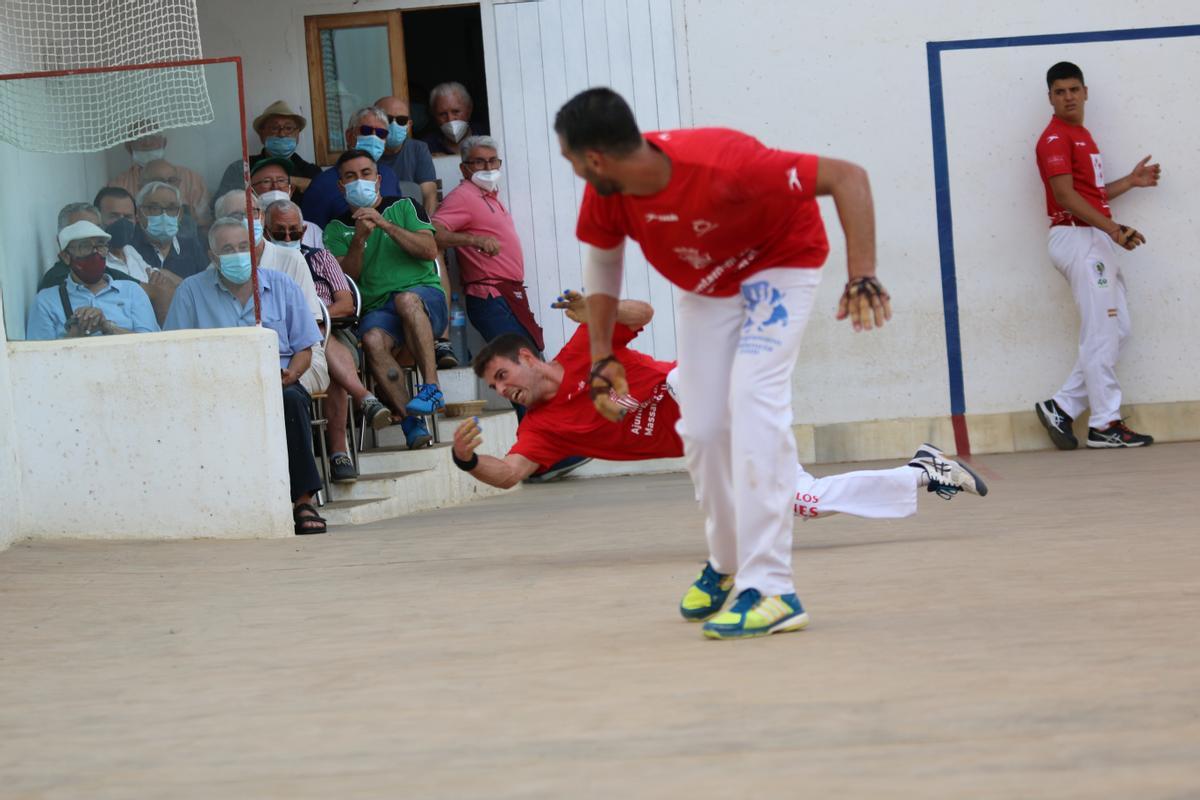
371	130
399	119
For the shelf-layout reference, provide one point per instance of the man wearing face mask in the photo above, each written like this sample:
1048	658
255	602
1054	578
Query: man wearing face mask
232	205
279	128
89	302
192	188
158	239
368	132
409	158
451	106
387	245
271	182
118	217
491	266
223	297
69	215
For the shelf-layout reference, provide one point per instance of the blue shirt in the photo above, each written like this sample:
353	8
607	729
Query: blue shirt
202	301
323	199
412	162
124	304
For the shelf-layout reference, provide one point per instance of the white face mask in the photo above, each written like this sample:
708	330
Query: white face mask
144	157
487	179
273	196
455	129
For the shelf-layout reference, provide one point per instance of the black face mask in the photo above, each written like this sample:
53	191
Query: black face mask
121	231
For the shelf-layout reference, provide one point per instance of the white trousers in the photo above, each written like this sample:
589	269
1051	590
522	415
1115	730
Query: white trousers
736	357
1086	257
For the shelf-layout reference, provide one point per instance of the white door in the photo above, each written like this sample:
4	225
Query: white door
547	52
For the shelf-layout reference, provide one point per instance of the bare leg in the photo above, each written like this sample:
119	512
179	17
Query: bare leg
389	378
342	371
336	408
418	334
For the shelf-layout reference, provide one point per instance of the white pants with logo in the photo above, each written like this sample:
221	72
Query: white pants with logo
1086	257
736	357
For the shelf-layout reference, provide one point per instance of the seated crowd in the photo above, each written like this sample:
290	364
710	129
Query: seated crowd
348	265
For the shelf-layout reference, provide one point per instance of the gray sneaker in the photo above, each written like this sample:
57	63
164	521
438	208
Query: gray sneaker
944	476
376	413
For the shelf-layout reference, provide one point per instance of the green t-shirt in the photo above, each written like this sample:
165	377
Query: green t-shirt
386	266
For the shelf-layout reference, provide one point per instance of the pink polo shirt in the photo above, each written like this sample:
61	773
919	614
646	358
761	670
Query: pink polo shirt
469	209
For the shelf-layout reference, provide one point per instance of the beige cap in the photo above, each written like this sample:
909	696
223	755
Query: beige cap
80	230
278	109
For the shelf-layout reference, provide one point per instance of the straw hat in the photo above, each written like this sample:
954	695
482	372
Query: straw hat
279	108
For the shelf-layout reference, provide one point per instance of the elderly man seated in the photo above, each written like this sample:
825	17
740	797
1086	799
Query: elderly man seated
289	262
386	243
88	302
223	297
409	158
158	239
491	265
284	226
271	181
118	217
368	132
450	106
67	216
151	148
278	127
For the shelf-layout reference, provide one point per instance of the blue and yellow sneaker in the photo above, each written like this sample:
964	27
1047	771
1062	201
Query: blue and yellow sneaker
706	596
754	615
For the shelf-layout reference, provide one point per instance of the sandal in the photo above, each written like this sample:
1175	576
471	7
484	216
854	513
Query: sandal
304	515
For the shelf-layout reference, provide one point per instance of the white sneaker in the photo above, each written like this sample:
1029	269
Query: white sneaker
944	476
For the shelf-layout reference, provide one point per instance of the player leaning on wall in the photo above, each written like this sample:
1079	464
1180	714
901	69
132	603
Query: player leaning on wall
1083	247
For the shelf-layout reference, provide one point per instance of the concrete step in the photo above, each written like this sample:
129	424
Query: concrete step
398	458
376	486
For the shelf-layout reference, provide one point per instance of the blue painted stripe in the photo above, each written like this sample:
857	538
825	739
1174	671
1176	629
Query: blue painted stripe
945	227
1124	35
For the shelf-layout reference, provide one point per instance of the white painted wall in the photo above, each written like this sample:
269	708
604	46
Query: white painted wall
10	473
158	436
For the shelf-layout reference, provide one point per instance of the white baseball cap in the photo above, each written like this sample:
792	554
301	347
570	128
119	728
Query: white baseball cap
80	230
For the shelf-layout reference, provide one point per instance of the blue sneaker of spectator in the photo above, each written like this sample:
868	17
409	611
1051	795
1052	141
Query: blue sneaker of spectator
415	433
428	400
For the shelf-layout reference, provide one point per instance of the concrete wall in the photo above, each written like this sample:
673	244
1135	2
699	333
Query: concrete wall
161	436
10	474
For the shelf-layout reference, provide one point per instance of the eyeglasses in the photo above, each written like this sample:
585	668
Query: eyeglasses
281	129
281	181
82	249
154	209
287	234
483	163
371	130
399	119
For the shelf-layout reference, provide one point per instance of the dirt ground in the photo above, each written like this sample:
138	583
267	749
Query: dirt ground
1040	642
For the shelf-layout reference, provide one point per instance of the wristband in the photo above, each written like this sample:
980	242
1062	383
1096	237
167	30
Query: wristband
465	466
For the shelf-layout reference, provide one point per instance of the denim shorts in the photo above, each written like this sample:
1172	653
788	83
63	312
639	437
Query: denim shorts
385	317
492	317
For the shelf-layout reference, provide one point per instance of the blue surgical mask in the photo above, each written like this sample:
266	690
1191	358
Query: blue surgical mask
258	231
372	144
280	146
361	194
397	133
291	245
235	267
162	227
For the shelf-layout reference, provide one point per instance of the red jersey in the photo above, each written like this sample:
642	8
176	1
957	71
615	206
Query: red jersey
569	425
1066	149
733	207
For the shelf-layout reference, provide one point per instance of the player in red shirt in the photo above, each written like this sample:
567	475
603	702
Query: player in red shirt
735	225
561	419
1083	245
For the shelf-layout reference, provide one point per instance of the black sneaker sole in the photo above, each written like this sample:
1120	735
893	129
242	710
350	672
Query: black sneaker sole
1061	440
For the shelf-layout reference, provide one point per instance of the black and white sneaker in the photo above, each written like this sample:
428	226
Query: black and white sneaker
376	413
341	469
1057	423
944	476
444	353
1117	435
559	470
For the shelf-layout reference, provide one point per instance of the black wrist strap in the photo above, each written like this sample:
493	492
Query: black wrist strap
465	466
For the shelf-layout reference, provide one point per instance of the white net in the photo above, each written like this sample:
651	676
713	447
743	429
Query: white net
94	111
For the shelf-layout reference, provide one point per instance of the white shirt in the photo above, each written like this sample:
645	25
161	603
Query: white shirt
313	236
134	265
292	264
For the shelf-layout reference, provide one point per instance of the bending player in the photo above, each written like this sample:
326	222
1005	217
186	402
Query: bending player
736	226
561	419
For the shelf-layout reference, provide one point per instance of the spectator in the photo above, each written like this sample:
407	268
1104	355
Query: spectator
284	225
223	297
69	215
368	132
118	216
407	157
386	243
157	239
271	181
278	127
451	106
191	185
232	205
89	302
491	266
166	172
